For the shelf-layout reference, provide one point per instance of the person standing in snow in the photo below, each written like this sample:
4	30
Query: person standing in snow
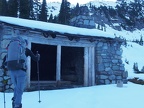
18	78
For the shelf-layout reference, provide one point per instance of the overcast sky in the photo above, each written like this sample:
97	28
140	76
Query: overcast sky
78	1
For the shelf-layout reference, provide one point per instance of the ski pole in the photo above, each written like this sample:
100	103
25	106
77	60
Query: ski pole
38	77
4	90
4	96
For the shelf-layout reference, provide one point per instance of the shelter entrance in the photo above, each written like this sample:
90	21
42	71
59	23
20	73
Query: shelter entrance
72	68
47	63
72	63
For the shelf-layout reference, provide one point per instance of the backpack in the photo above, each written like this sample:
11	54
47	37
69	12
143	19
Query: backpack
16	58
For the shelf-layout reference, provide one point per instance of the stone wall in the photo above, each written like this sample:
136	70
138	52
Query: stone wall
83	22
5	81
109	66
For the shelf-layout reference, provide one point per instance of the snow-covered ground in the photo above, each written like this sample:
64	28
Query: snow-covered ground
103	96
133	53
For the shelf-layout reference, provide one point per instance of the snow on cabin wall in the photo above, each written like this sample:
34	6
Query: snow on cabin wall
108	64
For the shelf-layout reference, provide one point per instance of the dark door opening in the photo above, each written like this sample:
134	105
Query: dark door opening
72	64
47	63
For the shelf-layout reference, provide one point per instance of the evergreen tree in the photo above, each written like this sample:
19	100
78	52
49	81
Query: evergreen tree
104	10
31	3
64	15
55	19
75	11
141	41
122	9
62	12
43	12
13	8
84	10
3	8
135	11
112	11
37	6
68	12
1	4
24	9
50	18
135	68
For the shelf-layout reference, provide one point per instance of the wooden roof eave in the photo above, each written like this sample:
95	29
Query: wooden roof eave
53	34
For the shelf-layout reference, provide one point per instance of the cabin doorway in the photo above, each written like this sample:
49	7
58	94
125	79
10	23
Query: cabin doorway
72	68
72	63
47	63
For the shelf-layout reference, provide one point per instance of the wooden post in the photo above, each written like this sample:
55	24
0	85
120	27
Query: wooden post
86	66
28	67
90	66
93	65
58	66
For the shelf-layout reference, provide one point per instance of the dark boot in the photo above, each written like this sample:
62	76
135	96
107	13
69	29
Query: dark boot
20	106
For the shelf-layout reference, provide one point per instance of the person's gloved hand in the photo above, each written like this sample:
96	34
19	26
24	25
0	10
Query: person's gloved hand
38	57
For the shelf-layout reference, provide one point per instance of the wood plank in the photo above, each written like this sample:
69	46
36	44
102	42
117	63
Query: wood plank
58	64
28	67
60	41
86	66
89	66
93	66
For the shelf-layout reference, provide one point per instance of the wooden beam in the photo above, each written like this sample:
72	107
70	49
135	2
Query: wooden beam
53	35
86	66
90	75
58	66
90	66
70	38
93	65
28	66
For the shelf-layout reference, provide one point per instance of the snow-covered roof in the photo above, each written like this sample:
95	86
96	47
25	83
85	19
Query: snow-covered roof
55	28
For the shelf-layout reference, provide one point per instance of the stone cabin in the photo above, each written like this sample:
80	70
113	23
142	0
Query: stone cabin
69	55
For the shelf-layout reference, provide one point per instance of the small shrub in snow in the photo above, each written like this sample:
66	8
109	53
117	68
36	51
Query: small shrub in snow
135	68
